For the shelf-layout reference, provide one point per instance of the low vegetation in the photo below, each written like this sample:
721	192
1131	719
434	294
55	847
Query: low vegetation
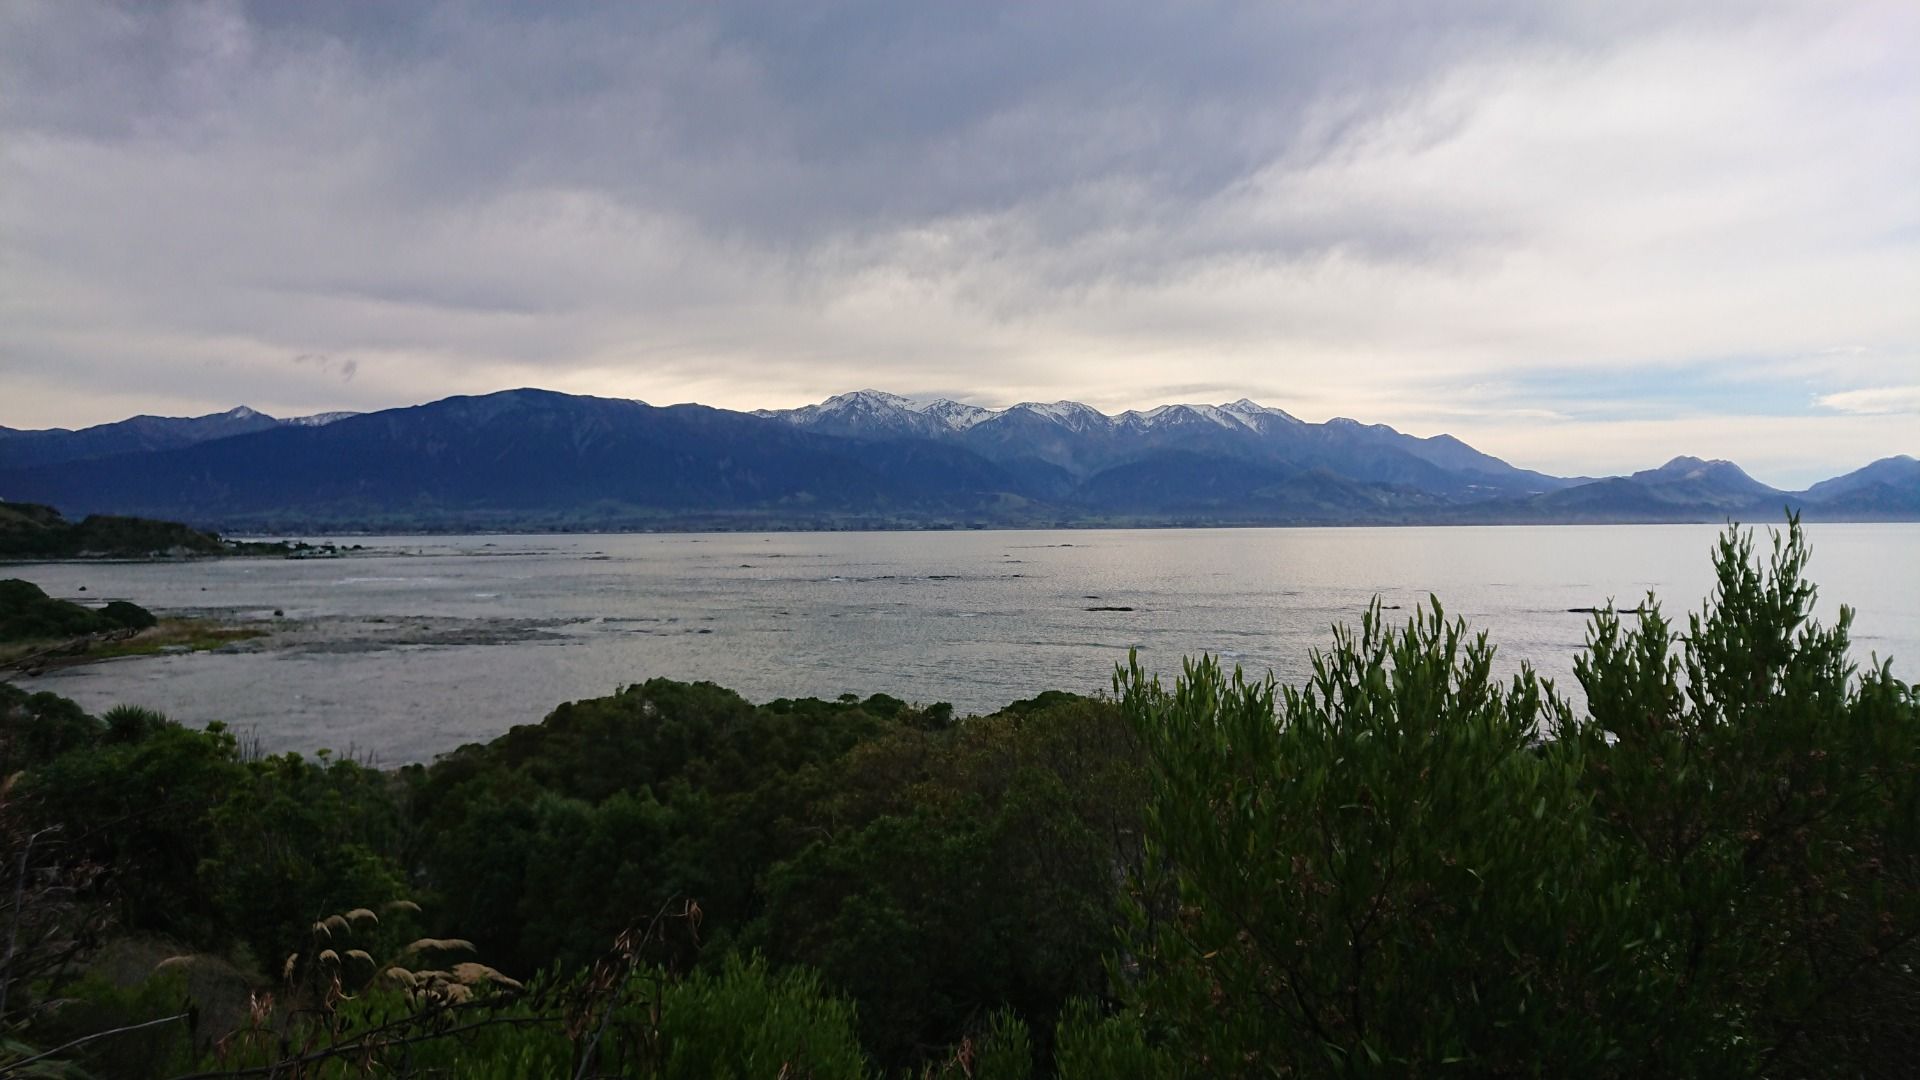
175	635
27	613
38	632
1402	867
30	531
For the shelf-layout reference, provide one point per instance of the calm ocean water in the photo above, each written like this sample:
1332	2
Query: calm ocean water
976	618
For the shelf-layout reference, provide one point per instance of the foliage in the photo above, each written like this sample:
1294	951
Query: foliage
145	811
1005	1049
746	1021
964	871
295	838
1390	870
129	616
198	844
1376	872
37	728
33	531
1764	796
1403	866
28	614
546	842
1092	1045
932	870
47	930
152	1036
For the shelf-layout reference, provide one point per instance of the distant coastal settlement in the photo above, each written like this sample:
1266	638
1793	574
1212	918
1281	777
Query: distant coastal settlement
1402	866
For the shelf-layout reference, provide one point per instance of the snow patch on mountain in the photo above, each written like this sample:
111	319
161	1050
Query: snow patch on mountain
895	411
318	419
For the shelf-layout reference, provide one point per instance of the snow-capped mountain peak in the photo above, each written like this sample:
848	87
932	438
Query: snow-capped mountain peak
1161	415
1246	407
318	419
878	412
1070	414
956	415
865	400
884	411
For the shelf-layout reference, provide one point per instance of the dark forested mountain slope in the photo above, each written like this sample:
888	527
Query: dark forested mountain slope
23	449
520	455
537	459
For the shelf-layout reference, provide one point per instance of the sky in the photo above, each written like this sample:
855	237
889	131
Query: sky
1585	237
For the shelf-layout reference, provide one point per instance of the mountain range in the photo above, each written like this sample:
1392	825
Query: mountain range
20	449
536	459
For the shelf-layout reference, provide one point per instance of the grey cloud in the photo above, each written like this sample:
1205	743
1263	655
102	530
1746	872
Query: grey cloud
344	367
758	205
774	121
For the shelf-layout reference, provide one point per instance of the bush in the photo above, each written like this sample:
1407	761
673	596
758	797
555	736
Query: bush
1395	869
1387	872
28	614
1091	1045
129	615
37	728
1764	796
748	1021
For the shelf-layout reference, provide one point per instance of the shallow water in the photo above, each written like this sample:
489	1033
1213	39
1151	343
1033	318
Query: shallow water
509	626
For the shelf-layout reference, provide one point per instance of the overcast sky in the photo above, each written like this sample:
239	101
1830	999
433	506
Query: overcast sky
1585	237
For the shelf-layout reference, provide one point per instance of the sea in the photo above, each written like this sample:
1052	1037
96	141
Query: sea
415	645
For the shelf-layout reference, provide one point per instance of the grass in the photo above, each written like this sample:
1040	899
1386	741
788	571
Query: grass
171	635
176	635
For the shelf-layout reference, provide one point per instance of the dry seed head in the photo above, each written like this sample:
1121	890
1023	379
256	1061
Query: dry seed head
403	905
440	944
473	974
359	913
286	969
174	962
335	922
361	955
328	956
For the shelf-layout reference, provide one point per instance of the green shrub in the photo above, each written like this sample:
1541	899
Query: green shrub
1405	866
1004	1051
27	613
1764	796
1376	873
748	1022
1091	1045
39	727
129	615
159	1044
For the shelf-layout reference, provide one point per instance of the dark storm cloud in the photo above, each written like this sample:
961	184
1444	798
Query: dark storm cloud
778	121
